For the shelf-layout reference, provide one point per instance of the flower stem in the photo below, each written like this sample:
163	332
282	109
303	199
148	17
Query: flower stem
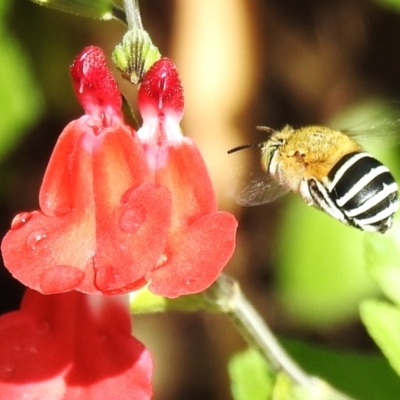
226	292
133	14
255	330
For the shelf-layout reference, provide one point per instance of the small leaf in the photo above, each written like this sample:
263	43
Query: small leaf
99	9
382	321
250	378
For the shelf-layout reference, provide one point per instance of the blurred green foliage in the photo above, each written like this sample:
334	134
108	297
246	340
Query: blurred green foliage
362	376
348	372
391	4
382	318
250	377
20	97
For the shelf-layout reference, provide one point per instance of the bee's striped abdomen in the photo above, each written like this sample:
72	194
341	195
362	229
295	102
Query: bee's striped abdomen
364	190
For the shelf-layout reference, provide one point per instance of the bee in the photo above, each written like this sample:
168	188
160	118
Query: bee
330	171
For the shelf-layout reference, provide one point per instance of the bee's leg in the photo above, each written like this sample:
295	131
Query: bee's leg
323	200
304	192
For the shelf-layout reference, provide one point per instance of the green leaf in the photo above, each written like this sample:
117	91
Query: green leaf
250	377
363	376
383	324
383	261
99	9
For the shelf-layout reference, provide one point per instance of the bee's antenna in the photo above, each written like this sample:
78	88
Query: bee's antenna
266	129
244	146
247	146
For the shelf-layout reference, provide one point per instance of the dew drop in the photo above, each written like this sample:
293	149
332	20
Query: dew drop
6	371
20	220
32	349
162	260
34	239
61	210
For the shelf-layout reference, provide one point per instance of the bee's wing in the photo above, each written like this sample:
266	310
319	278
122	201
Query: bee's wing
260	191
382	131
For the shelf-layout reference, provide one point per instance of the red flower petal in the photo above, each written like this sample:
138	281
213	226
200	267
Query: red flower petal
196	256
51	251
131	224
201	240
72	346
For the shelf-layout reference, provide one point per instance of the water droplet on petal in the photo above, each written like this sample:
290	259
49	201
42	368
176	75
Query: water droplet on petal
162	260
132	219
35	238
6	371
20	220
61	210
32	349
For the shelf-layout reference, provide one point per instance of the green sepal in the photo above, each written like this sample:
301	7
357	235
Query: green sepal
98	9
219	297
144	302
382	321
135	55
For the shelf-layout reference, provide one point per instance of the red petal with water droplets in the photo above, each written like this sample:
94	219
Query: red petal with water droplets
52	252
201	240
89	235
196	256
131	225
72	346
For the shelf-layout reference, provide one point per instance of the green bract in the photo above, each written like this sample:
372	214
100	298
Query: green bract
135	55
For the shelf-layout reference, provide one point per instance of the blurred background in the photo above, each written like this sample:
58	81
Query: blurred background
243	63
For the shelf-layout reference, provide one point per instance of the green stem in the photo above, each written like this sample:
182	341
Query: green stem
230	299
255	330
133	14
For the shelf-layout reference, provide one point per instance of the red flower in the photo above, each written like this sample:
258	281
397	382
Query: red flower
200	240
118	211
72	346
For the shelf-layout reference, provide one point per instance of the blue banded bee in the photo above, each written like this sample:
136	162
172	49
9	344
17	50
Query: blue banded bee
330	171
